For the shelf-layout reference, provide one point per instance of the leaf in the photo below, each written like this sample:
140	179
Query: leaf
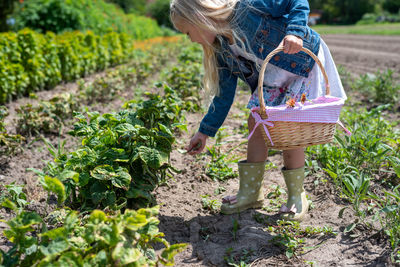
109	198
97	216
169	253
54	248
97	191
124	128
103	172
350	227
122	178
9	204
55	233
331	173
135	221
165	129
341	212
123	254
180	126
137	193
84	179
152	157
68	174
70	259
390	208
55	186
96	260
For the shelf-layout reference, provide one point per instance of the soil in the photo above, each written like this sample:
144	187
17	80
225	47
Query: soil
210	235
361	54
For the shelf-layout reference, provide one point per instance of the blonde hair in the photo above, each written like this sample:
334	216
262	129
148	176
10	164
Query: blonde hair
210	15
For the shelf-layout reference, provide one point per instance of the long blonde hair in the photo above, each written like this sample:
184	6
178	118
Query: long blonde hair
210	15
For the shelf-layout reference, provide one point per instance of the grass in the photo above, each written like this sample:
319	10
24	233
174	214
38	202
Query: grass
370	29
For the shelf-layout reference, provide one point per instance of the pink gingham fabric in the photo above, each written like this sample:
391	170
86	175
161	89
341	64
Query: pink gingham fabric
324	109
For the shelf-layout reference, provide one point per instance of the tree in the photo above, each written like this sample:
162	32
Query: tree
131	6
6	8
393	6
346	11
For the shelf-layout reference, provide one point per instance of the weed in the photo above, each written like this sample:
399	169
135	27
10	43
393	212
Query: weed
380	87
290	236
241	259
218	168
212	205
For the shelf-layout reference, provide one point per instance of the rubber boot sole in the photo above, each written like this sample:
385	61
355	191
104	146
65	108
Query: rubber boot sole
298	216
254	205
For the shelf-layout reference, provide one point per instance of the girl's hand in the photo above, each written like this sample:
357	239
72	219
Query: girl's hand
292	44
197	143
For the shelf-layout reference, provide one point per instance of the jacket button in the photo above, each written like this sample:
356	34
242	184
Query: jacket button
293	65
308	70
264	32
260	49
276	58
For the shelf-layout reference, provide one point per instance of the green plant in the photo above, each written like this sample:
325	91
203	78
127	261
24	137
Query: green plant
212	205
218	168
98	16
159	10
12	196
9	143
235	228
47	116
113	239
290	236
380	87
240	259
388	214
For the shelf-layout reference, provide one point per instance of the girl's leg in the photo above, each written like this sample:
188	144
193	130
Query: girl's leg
293	159
256	149
251	174
293	172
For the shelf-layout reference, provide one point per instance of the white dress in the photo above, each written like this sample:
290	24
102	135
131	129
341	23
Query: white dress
280	84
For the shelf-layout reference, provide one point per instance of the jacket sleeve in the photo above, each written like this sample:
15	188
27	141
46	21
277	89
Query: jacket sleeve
220	106
296	12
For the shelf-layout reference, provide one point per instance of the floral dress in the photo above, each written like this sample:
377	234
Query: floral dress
280	85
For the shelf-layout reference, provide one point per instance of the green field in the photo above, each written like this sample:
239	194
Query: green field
374	29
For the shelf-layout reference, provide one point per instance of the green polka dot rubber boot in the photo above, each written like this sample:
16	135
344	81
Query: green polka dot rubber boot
250	194
297	204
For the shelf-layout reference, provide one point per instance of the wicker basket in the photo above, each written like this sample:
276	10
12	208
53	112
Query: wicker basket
287	135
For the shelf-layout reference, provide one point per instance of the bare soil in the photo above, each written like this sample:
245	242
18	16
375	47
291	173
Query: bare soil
211	235
361	54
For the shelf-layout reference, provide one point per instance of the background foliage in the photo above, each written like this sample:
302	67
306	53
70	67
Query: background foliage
66	15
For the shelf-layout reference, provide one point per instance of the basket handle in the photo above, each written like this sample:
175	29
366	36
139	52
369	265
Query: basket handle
264	66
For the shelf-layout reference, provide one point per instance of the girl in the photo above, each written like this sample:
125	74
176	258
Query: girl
236	36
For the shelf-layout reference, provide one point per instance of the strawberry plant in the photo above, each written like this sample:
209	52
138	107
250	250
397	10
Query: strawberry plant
9	143
165	109
100	239
47	116
118	165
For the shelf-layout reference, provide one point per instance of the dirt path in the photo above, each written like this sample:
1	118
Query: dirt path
362	54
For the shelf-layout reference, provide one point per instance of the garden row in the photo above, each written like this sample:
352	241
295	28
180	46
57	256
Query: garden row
32	61
123	156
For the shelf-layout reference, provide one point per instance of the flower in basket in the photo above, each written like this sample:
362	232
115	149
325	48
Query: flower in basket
303	98
291	102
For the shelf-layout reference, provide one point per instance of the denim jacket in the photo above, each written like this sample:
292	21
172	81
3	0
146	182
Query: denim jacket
264	23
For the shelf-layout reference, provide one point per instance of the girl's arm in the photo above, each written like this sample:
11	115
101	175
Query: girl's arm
221	104
296	12
217	111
